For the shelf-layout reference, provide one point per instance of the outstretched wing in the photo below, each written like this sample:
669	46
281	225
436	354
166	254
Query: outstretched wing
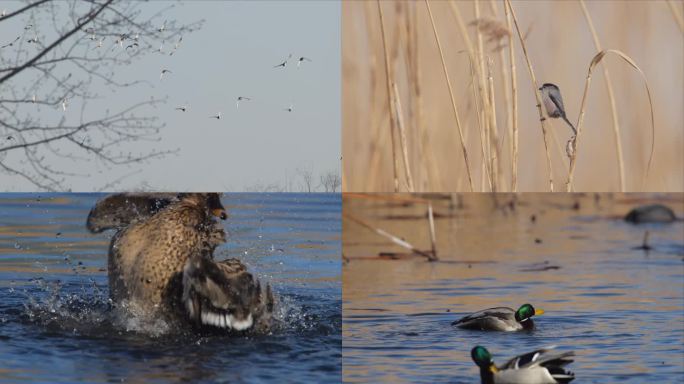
120	210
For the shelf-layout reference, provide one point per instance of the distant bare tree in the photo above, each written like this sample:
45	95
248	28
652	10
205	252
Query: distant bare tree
307	183
272	187
330	181
59	50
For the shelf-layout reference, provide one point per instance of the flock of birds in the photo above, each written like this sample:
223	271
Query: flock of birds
132	42
281	65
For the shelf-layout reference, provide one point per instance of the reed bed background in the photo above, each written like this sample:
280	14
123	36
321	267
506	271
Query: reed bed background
433	99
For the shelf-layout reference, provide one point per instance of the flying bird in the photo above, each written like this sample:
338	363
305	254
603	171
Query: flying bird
161	75
182	108
217	117
28	27
33	40
163	26
301	59
290	108
175	47
239	99
12	43
64	104
284	63
132	45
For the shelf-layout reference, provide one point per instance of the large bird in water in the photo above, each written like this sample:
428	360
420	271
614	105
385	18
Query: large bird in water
161	261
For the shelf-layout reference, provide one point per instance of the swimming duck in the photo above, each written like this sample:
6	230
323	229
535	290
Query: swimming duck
500	319
537	367
654	213
162	265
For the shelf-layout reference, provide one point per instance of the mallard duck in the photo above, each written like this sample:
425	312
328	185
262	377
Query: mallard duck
537	367
654	213
500	319
162	265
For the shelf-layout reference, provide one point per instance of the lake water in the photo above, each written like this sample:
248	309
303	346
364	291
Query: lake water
620	309
56	324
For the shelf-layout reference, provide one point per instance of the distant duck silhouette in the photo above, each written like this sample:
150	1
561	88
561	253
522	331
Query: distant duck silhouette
161	262
654	213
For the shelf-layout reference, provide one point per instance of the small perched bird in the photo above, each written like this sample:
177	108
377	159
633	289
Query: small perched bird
29	26
33	39
3	13
163	26
64	104
284	63
239	99
33	99
161	75
99	43
182	108
554	103
217	116
302	59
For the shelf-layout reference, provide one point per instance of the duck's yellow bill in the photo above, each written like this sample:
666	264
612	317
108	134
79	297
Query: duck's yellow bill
220	213
538	312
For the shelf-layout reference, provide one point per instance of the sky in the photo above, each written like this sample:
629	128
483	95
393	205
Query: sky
232	55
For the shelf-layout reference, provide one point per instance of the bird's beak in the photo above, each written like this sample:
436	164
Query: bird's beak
220	213
538	312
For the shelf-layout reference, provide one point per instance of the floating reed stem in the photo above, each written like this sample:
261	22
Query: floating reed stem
396	240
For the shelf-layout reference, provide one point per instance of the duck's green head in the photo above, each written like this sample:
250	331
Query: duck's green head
481	356
525	312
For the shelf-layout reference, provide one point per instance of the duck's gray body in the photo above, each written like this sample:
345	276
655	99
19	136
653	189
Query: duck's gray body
493	319
538	367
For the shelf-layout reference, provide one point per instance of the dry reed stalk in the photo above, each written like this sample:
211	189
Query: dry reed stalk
433	236
451	95
396	240
374	83
536	95
678	18
561	152
485	164
514	94
388	76
402	137
597	59
494	136
611	97
482	88
455	11
411	58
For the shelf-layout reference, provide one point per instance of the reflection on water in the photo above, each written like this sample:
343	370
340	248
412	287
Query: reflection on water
620	309
56	322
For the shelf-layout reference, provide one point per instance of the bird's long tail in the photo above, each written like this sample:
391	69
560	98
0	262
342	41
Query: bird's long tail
570	124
